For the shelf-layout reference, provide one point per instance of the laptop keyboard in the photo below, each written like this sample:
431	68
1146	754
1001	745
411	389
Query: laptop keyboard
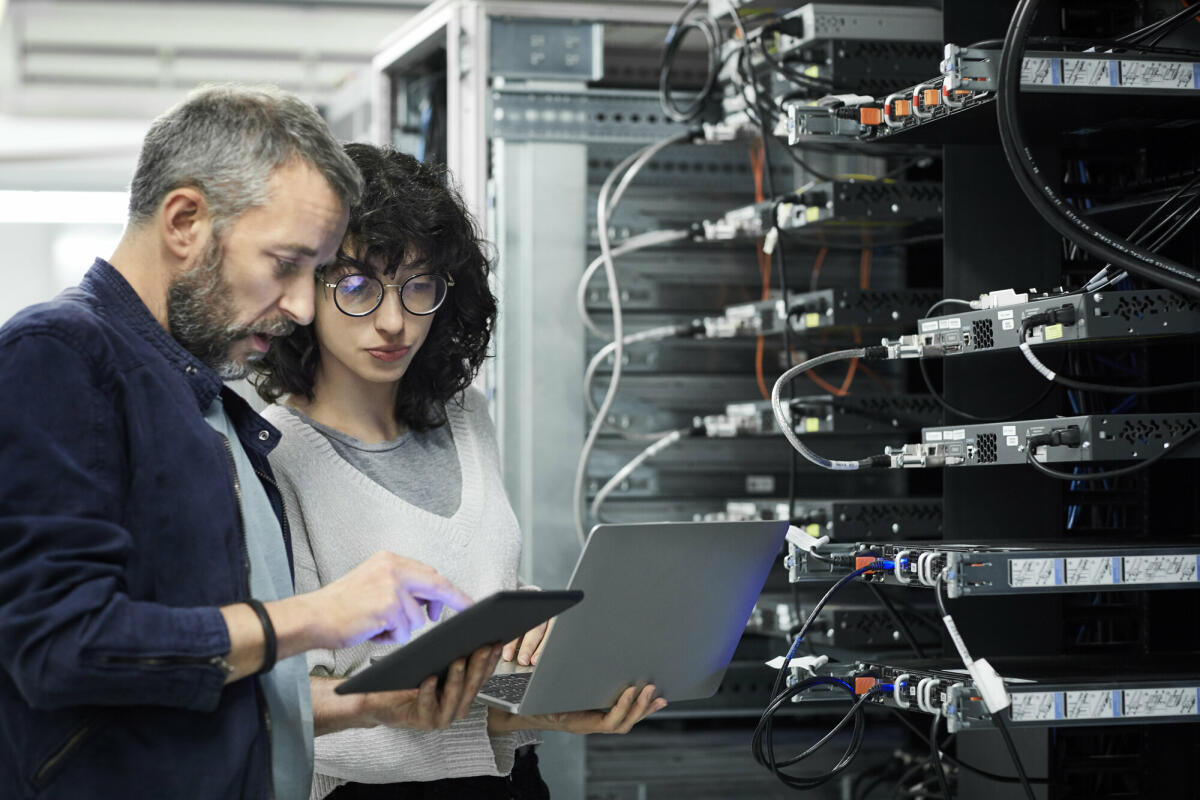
509	688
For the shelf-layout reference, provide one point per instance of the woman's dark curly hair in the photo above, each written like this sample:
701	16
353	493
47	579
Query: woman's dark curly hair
408	216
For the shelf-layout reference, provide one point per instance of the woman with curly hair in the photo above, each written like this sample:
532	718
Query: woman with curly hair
386	445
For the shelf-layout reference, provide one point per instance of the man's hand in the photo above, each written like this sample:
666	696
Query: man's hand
424	709
383	599
527	649
630	709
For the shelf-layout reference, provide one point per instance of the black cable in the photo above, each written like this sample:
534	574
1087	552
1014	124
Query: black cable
1002	726
977	417
1162	27
1093	238
1108	473
763	747
901	625
675	36
1085	386
957	761
935	756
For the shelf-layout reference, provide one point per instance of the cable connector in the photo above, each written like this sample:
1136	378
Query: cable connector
1065	314
1001	298
907	347
801	539
990	685
809	664
1070	436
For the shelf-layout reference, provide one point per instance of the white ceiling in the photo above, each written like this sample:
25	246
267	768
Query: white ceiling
81	79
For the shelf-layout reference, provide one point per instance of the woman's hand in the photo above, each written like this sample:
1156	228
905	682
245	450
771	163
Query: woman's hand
426	708
527	649
630	709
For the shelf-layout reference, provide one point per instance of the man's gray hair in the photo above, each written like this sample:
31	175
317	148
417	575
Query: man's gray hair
226	140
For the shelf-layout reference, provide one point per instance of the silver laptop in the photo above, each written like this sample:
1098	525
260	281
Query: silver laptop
664	603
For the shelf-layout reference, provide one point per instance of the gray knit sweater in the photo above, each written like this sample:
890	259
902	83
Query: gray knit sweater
339	517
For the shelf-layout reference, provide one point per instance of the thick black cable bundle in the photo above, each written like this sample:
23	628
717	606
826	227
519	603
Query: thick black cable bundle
1037	187
763	743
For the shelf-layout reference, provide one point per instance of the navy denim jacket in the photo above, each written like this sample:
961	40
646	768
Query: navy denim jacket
120	536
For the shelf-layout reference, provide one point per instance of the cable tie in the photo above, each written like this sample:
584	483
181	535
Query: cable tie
809	664
990	685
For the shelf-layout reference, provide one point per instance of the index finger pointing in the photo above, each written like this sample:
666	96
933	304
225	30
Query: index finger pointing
435	588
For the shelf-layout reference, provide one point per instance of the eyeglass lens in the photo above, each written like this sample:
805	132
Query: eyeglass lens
358	295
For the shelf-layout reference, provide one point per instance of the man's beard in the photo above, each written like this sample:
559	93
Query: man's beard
202	318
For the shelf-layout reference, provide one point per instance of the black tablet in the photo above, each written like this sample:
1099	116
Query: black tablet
500	617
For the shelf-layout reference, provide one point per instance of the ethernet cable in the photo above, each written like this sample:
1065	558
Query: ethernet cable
632	245
626	171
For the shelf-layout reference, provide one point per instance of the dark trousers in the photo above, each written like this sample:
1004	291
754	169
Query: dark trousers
525	783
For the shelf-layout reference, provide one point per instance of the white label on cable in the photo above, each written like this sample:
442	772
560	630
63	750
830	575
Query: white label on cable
1030	572
1089	571
929	326
950	324
760	484
1160	569
1157	75
1009	430
1007	324
1172	702
1005	314
956	436
933	436
1034	706
1012	441
1089	705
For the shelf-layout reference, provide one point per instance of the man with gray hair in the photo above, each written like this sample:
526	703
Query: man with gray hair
152	642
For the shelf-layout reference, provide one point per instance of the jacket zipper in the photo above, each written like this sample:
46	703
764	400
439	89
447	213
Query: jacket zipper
287	532
62	752
237	493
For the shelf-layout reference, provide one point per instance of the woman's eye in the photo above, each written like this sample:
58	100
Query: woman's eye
284	267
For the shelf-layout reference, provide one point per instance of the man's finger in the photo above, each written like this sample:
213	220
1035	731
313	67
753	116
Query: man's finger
433	609
479	668
620	709
510	649
431	587
639	711
537	654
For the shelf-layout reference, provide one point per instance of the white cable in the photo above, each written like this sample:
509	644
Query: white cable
900	574
603	209
925	695
625	471
898	690
783	413
639	242
589	375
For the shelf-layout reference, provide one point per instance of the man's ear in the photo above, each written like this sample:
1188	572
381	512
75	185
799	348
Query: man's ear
185	223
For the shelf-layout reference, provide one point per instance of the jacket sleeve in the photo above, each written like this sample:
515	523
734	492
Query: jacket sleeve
71	633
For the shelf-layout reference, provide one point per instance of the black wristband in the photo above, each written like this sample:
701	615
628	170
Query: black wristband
270	643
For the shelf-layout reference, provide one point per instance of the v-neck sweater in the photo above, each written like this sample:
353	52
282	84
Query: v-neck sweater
339	517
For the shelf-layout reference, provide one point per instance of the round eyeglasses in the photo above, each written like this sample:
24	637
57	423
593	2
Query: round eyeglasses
357	295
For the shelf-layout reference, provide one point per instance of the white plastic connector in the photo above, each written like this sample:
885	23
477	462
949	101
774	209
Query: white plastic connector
897	690
803	540
807	663
1001	298
990	685
925	695
900	574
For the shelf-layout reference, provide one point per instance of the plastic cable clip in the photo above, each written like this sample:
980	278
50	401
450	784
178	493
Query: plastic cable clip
808	663
990	685
803	540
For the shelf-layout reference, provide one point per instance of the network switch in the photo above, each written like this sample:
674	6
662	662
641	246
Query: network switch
821	310
871	414
1081	439
1045	692
1010	568
1091	316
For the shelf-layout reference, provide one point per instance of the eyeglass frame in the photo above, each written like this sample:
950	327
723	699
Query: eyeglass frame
400	286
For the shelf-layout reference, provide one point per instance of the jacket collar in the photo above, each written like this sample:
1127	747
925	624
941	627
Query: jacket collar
110	286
